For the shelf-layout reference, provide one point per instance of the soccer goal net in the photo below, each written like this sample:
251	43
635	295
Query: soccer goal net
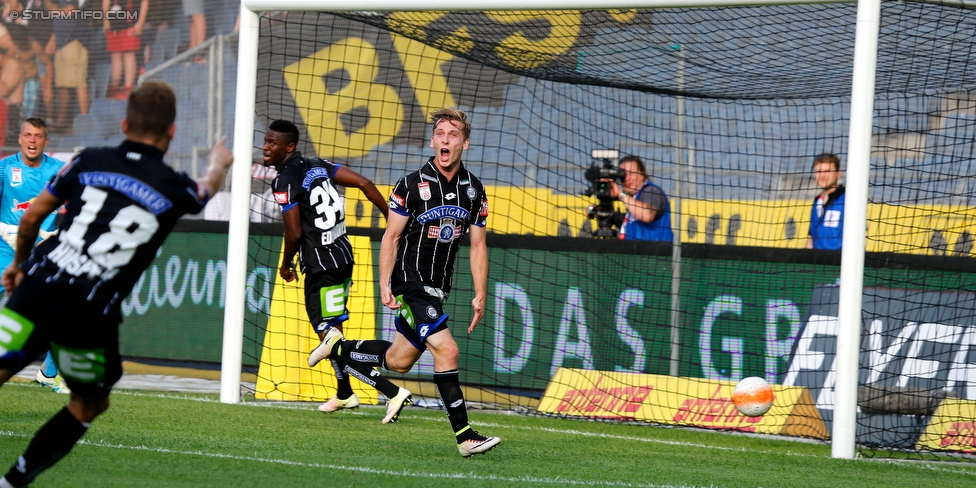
727	108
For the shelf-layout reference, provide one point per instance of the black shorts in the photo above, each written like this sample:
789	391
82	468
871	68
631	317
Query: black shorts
326	295
83	340
421	311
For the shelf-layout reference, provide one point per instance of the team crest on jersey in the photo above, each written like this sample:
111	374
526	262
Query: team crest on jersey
16	177
431	311
447	231
424	190
471	193
281	197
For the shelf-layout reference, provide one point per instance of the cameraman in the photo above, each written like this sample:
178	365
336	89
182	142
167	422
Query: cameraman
648	210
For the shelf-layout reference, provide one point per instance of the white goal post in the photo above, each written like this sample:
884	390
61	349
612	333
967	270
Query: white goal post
859	144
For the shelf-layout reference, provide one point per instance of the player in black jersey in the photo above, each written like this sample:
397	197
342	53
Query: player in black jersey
122	204
315	227
431	209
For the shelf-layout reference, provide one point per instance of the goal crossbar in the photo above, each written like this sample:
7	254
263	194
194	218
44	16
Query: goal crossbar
476	5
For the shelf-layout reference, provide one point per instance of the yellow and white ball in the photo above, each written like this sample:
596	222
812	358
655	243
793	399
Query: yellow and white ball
753	396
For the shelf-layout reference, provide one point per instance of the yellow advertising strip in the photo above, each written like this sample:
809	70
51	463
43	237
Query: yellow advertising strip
761	223
952	427
284	374
677	401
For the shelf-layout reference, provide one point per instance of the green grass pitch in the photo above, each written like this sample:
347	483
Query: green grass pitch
176	440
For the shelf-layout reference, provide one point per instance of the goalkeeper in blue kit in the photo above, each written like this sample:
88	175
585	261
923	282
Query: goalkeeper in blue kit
22	177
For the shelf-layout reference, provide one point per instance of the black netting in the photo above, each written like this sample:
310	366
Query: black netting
728	107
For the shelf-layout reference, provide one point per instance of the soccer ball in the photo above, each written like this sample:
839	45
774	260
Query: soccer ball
752	396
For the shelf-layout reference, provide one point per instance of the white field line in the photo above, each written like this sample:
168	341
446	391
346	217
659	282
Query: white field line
366	469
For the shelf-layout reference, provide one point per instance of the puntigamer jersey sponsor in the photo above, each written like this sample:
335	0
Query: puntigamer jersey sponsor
440	212
308	184
121	204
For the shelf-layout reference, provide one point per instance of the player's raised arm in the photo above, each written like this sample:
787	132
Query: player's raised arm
219	159
479	272
349	178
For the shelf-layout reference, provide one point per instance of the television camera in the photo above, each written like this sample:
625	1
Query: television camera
600	175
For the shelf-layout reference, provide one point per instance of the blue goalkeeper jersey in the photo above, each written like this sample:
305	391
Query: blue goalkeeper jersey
19	185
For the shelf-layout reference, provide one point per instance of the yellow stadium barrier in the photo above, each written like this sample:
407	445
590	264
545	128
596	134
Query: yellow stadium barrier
760	223
284	374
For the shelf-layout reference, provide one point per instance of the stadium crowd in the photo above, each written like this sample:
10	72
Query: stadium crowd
53	52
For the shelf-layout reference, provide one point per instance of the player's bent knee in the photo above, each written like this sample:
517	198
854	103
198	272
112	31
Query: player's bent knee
401	369
445	352
398	366
451	355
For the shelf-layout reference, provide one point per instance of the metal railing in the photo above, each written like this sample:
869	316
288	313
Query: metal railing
214	48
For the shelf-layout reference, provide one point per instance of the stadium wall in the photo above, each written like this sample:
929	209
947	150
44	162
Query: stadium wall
742	308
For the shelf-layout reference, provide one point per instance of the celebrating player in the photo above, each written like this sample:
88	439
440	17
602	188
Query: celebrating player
315	228
122	203
431	209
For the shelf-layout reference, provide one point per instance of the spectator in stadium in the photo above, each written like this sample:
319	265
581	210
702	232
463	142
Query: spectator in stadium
35	58
160	35
22	177
123	34
36	66
9	7
193	9
827	215
12	80
67	294
315	228
430	211
648	216
71	37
